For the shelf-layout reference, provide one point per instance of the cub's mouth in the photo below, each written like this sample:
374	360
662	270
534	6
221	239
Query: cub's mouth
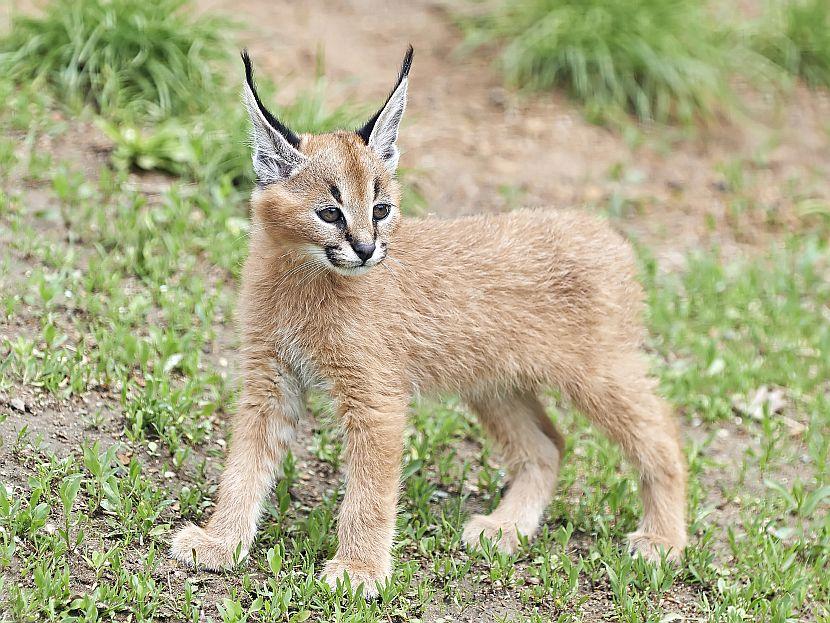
345	265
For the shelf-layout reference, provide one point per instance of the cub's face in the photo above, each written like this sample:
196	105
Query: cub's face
331	198
339	210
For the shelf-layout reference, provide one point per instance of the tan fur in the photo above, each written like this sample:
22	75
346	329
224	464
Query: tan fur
494	308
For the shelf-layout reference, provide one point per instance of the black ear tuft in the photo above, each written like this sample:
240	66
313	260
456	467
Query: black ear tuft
275	123
366	131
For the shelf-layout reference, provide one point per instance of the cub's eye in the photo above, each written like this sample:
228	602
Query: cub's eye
381	211
330	215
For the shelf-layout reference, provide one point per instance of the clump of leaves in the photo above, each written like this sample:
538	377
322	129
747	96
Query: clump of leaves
145	58
660	59
795	35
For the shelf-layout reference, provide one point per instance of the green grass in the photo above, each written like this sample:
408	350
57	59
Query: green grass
660	59
123	56
795	35
761	332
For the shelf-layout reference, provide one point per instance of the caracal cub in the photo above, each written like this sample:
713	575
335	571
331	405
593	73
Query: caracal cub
341	291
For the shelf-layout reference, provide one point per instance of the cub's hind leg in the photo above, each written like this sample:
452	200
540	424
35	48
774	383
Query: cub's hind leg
621	399
532	449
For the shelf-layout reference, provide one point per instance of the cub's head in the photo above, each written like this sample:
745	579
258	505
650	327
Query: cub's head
331	198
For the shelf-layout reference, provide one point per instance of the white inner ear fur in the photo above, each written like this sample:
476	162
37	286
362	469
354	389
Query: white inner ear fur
275	159
383	140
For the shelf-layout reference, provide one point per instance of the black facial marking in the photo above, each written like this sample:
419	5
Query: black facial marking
335	193
377	188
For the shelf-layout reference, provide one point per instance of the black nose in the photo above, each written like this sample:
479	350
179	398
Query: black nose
363	250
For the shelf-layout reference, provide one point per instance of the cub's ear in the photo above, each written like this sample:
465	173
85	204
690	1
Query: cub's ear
276	152
381	131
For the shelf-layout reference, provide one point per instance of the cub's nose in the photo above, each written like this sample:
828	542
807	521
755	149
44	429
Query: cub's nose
363	250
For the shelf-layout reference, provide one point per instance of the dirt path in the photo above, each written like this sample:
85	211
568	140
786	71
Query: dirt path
475	146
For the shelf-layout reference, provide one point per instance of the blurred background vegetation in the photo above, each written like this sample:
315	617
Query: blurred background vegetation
157	78
659	60
157	75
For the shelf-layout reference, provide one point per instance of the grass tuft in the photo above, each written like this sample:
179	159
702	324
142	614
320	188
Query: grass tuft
154	75
659	59
795	35
144	58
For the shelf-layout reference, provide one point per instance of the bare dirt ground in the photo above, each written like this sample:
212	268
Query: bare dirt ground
476	146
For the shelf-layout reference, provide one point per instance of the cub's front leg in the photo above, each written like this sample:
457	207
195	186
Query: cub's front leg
266	418
374	446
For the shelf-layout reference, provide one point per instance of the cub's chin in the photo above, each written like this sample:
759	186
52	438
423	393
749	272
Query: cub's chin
354	271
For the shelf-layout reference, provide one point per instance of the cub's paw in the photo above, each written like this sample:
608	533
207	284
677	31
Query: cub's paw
210	552
652	547
358	574
503	533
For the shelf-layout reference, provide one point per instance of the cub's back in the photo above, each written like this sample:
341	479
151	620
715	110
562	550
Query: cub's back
514	293
524	249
